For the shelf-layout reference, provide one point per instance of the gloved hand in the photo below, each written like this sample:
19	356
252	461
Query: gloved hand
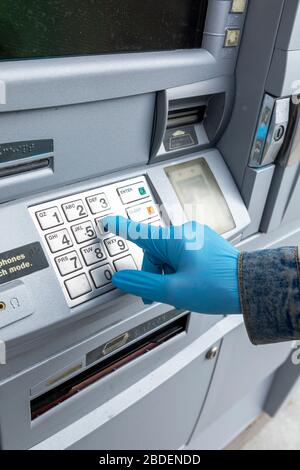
190	267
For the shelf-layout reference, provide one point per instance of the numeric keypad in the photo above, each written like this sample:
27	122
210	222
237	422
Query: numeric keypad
83	254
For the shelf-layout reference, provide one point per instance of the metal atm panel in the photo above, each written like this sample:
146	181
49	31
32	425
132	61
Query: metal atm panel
283	80
76	133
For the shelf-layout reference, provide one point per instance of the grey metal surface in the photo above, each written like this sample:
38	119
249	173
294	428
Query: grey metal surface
285	379
138	378
86	144
229	425
238	377
259	38
255	190
153	419
184	360
276	204
283	79
289	34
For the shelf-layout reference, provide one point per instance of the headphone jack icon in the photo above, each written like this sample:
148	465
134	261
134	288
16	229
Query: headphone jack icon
15	303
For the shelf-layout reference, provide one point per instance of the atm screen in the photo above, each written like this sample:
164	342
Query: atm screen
54	28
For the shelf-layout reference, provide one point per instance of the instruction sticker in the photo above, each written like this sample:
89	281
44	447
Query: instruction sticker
22	261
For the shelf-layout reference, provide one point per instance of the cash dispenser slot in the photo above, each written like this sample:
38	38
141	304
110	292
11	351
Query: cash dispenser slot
26	156
115	361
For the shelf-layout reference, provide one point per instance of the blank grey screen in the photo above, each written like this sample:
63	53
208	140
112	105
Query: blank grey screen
53	28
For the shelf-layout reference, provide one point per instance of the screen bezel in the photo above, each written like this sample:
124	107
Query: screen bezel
41	83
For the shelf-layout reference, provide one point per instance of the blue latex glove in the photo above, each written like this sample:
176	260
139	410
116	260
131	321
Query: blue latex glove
181	272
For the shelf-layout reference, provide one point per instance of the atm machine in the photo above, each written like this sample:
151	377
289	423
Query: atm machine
111	107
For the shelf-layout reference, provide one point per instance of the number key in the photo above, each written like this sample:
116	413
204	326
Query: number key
102	276
74	210
68	263
98	203
58	241
115	245
93	254
84	232
49	218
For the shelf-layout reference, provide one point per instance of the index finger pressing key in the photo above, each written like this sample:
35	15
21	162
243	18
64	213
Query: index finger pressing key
138	233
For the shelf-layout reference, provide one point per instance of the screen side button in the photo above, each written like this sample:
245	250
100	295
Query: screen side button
78	286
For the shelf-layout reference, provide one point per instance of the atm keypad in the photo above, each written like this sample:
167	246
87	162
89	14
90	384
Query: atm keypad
85	257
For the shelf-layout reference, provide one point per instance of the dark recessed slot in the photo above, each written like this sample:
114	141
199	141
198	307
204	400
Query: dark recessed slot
185	117
73	386
14	170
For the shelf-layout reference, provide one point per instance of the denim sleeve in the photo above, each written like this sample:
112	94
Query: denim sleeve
269	284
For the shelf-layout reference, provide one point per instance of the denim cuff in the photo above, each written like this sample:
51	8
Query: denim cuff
269	285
